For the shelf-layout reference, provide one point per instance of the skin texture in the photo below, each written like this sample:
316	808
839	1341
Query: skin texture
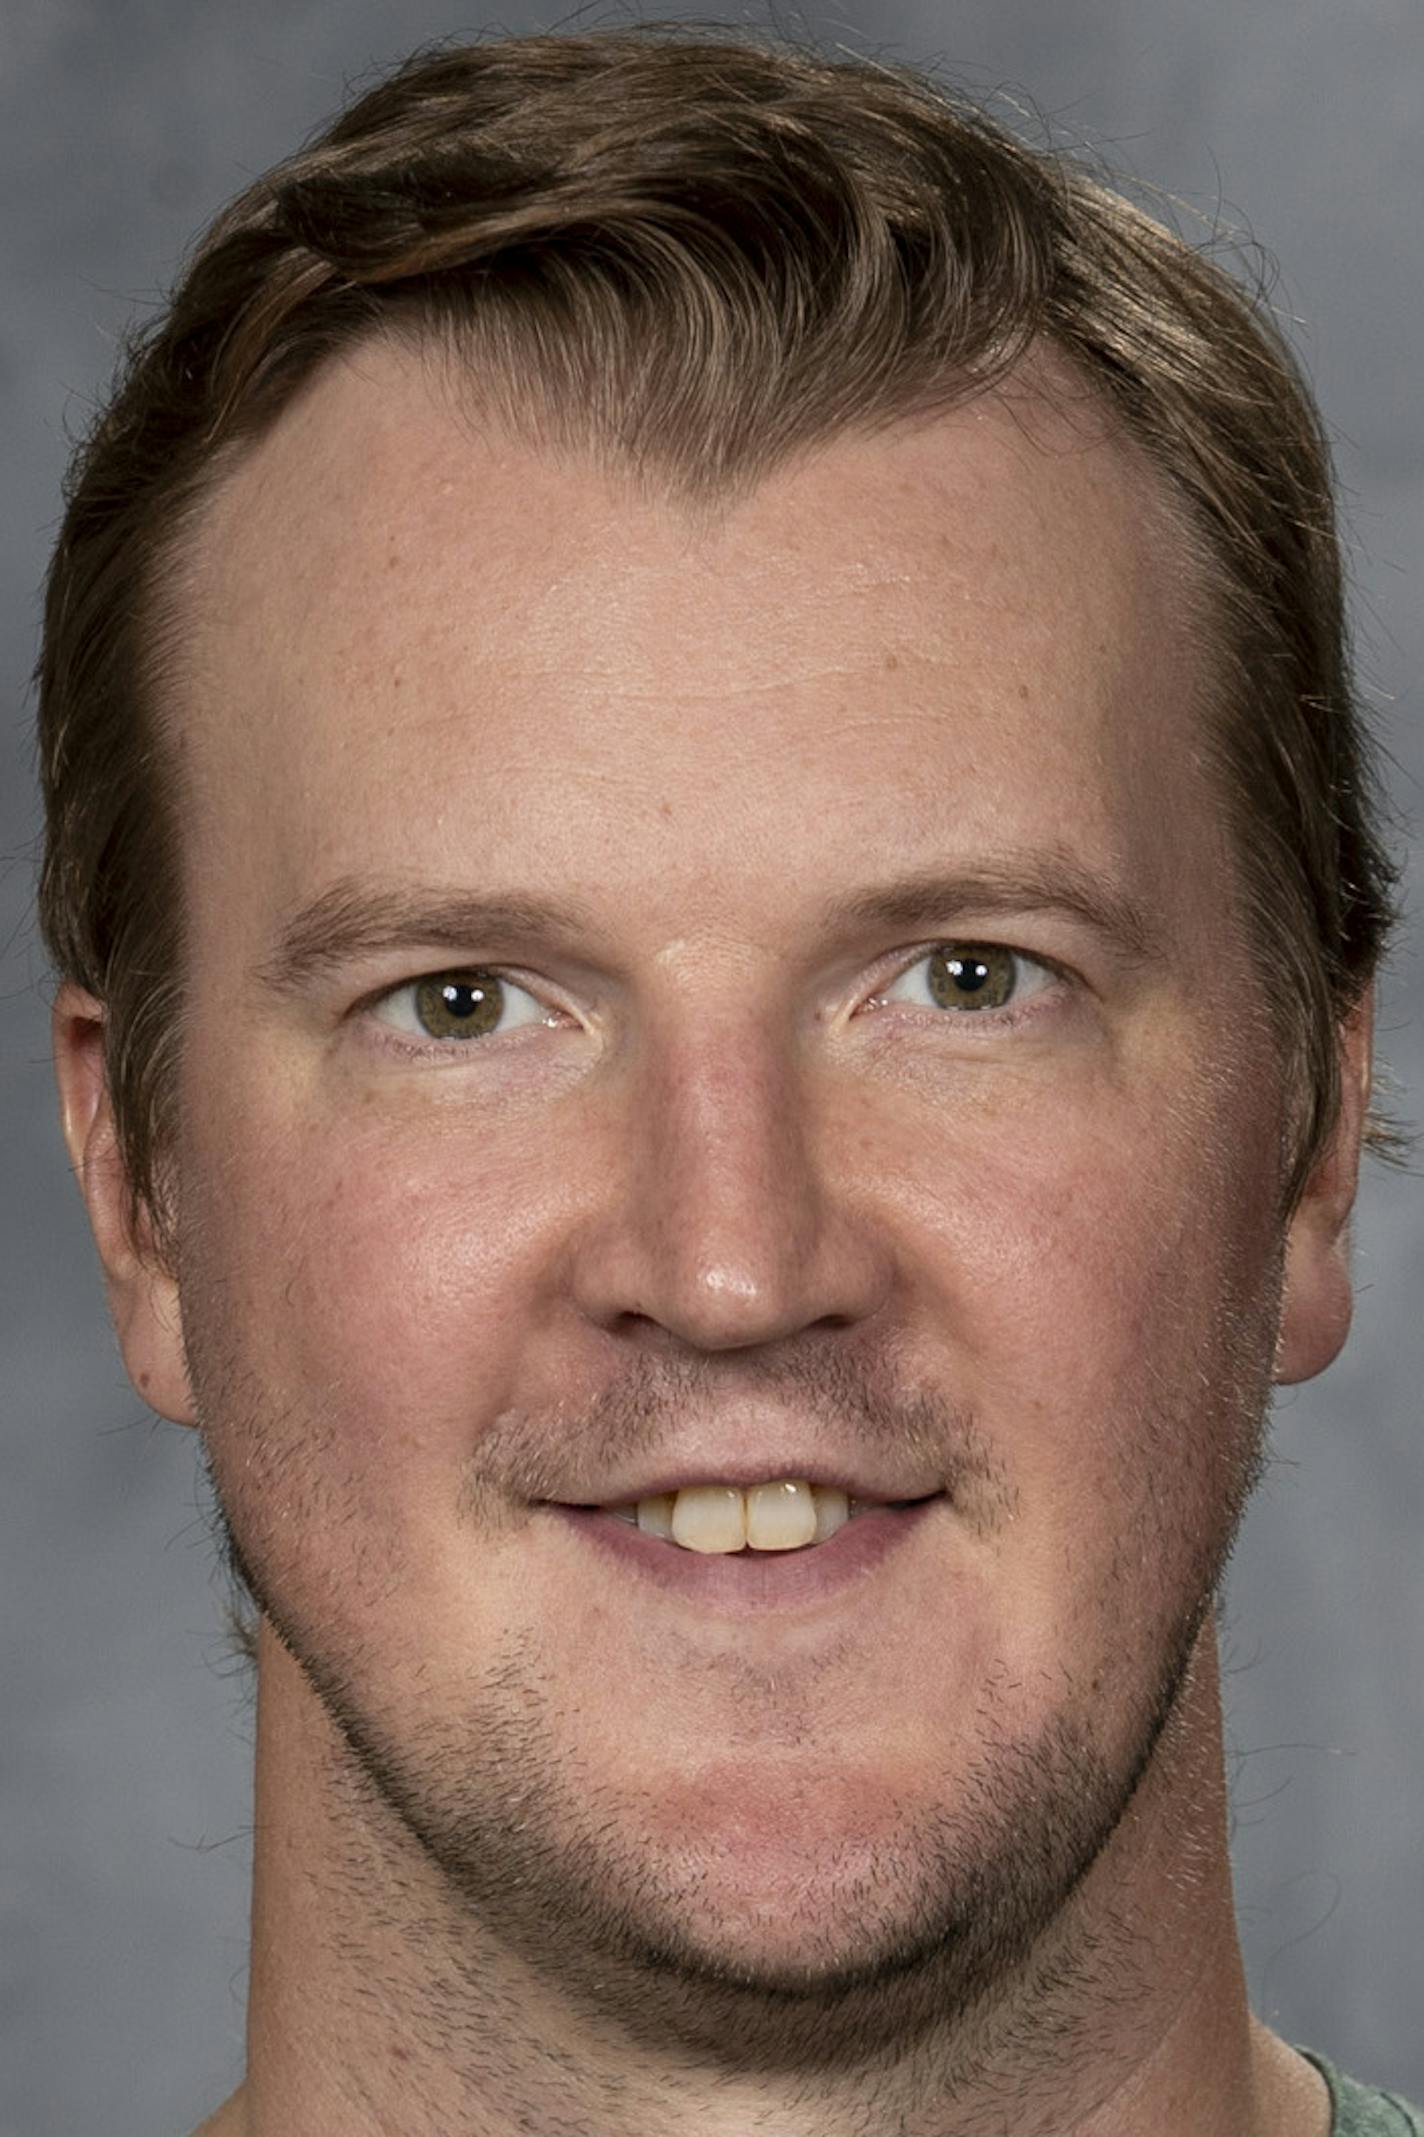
540	1847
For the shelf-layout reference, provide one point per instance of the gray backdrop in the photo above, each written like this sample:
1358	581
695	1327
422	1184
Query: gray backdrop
126	1746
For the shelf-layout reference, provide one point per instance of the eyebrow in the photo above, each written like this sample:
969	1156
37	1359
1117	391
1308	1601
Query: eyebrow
354	920
1002	887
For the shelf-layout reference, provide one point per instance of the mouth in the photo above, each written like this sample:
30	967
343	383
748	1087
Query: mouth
747	1549
723	1520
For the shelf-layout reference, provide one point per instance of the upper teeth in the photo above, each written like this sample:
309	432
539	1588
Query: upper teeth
723	1517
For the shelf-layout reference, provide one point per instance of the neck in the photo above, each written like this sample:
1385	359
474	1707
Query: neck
396	2010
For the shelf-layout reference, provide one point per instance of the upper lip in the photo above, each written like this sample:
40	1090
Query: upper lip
855	1480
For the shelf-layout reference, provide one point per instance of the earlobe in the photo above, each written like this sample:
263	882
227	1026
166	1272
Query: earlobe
142	1293
1319	1291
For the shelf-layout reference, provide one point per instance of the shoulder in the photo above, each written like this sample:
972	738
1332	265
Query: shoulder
1359	2110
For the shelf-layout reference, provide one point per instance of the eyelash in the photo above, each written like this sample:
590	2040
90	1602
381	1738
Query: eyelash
1009	1016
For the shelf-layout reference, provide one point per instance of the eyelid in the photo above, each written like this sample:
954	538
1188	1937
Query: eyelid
371	1004
525	982
1053	972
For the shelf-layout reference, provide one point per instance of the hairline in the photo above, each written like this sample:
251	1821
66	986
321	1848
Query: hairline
1048	376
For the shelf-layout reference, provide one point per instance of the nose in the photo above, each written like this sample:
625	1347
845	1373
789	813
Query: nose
732	1216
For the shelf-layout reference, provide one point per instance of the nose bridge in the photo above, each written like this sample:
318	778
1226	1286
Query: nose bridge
728	1147
727	1228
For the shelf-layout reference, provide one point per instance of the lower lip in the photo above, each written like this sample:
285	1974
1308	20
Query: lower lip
747	1582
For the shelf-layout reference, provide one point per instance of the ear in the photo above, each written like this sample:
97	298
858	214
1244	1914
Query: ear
1319	1294
142	1295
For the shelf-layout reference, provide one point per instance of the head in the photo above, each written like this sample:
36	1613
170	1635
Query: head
695	261
693	486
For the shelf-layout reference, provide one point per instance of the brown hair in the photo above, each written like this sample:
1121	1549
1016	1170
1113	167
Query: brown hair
692	255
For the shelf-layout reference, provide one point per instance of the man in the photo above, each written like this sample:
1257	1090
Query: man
713	865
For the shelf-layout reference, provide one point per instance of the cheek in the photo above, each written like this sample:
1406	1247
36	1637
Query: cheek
370	1289
1113	1275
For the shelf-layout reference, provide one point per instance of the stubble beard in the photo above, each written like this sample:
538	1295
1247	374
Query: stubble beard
923	1936
960	1910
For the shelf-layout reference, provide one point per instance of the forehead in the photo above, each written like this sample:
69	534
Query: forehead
406	627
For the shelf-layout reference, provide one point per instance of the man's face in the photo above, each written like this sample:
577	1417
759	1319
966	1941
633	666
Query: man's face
733	1176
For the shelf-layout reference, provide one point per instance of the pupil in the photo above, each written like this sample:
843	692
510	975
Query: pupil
451	1007
966	979
461	999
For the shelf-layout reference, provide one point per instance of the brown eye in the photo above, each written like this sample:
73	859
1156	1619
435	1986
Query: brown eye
459	1005
972	976
466	1004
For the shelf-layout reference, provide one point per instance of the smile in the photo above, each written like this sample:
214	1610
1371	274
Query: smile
722	1568
789	1514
